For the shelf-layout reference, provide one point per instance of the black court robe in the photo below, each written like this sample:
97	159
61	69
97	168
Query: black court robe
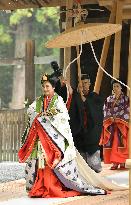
61	90
85	139
94	110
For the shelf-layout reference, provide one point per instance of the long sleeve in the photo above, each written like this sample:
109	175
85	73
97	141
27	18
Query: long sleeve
31	111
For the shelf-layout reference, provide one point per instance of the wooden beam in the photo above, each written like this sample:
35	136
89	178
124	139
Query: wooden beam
29	71
126	14
11	61
44	60
83	2
104	52
105	2
109	2
126	10
40	3
10	5
20	61
117	41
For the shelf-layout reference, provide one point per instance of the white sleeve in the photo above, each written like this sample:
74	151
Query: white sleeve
31	111
61	107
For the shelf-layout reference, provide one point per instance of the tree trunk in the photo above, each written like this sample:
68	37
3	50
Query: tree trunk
18	90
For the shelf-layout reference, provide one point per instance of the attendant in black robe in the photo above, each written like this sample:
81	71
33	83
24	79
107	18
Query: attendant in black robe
87	140
86	120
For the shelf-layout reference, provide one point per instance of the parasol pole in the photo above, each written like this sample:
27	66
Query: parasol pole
67	51
78	60
79	72
104	52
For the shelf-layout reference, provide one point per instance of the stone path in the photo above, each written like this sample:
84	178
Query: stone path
13	193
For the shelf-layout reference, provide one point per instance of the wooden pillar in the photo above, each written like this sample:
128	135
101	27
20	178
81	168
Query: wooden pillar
128	161
78	60
67	51
78	65
29	71
129	64
104	52
117	42
61	21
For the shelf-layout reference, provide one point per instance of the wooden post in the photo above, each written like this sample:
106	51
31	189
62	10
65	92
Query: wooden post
129	64
79	72
128	161
29	71
117	42
78	65
130	153
61	21
67	51
104	52
78	60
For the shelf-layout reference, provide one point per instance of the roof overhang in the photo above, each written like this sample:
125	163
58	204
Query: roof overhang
23	4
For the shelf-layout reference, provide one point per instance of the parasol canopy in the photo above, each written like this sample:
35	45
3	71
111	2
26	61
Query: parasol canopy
83	34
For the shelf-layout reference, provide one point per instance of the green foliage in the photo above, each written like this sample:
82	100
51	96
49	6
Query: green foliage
48	26
19	15
44	24
4	37
45	15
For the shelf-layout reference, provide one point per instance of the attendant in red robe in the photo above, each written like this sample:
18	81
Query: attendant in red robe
114	136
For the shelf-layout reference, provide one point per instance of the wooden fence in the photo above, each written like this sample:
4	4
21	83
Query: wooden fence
12	124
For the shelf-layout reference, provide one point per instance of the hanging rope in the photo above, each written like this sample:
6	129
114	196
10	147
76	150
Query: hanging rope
106	71
73	61
83	33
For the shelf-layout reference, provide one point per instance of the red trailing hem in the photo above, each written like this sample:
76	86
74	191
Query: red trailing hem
46	184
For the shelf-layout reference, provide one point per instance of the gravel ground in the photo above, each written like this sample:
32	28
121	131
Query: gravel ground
14	192
10	171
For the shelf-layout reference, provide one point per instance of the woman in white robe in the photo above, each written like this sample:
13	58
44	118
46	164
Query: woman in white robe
59	170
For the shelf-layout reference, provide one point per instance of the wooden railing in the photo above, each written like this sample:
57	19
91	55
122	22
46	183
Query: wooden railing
12	124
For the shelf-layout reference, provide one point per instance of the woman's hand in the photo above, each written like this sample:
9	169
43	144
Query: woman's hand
64	81
83	98
70	90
